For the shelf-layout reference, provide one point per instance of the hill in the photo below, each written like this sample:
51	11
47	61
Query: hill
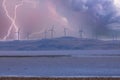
63	43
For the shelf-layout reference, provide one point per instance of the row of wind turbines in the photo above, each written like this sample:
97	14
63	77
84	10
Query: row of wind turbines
52	32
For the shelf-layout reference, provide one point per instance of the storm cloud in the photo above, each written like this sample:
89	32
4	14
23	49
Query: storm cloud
95	17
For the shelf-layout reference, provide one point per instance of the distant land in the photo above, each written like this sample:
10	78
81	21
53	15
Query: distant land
63	43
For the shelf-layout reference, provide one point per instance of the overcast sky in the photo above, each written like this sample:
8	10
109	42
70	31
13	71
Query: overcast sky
94	17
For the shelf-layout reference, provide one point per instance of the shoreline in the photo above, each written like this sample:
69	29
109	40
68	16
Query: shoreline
27	56
68	53
47	78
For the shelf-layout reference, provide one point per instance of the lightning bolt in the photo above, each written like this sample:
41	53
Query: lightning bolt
13	19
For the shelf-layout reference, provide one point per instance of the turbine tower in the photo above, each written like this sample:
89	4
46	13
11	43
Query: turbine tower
18	34
45	34
28	35
65	32
52	30
81	33
115	36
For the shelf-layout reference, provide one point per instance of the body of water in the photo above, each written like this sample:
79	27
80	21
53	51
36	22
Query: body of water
77	65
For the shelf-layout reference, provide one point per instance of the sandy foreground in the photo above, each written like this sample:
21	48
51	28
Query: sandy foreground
25	78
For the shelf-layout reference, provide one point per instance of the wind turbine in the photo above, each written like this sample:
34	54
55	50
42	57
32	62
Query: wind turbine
115	36
65	32
28	35
45	34
18	34
52	30
81	33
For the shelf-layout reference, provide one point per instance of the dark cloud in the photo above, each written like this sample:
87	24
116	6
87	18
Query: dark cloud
99	15
95	17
